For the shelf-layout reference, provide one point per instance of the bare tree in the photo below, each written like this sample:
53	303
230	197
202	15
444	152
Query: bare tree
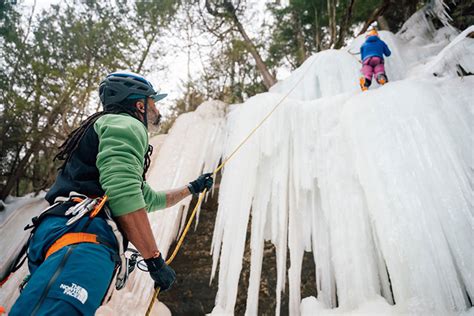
226	10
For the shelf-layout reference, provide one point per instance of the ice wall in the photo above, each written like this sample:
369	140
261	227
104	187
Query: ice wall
456	58
16	215
377	185
420	28
333	72
325	74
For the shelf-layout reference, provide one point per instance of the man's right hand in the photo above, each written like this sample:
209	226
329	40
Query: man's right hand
163	275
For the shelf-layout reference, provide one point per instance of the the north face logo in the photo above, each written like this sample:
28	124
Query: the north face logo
75	291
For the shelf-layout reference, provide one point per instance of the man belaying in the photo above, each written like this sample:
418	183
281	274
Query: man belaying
372	55
99	201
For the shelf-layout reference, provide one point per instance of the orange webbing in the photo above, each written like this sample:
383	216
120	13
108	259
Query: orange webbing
77	199
70	239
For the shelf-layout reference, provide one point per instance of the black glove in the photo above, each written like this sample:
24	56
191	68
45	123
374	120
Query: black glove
163	275
204	181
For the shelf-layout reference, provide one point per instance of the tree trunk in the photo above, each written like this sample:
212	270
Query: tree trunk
301	53
189	30
145	53
332	22
383	23
345	25
317	30
268	79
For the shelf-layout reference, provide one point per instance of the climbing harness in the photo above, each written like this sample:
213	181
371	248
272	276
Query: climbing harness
71	239
201	196
82	206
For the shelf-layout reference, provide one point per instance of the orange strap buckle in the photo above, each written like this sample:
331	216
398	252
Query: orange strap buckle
71	239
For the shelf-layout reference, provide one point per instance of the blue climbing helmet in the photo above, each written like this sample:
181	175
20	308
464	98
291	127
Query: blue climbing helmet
119	86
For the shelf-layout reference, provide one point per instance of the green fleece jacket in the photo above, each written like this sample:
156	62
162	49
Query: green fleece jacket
123	143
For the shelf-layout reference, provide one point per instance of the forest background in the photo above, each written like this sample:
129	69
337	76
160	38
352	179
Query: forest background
52	59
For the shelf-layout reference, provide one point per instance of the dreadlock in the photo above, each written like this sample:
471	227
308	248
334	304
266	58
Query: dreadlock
73	140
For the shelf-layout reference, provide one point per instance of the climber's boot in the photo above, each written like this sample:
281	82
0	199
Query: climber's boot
382	79
364	83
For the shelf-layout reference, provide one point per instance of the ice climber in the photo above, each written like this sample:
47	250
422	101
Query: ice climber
372	52
99	201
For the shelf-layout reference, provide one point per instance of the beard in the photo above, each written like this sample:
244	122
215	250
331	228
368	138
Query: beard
153	118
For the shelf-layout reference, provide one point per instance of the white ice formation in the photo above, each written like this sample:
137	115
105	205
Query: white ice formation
420	26
377	185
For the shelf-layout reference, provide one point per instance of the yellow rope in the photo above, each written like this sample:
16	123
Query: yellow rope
201	196
185	231
150	306
178	246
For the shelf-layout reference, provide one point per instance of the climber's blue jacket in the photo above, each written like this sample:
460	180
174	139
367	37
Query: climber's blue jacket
374	46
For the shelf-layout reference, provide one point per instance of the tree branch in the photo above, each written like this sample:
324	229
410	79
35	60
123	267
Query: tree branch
375	15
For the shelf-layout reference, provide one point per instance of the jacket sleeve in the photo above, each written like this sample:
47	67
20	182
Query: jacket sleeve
123	142
386	50
154	200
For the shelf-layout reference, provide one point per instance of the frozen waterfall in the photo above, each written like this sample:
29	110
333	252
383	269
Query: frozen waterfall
377	185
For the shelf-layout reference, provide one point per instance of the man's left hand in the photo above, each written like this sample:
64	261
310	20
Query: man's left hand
204	181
